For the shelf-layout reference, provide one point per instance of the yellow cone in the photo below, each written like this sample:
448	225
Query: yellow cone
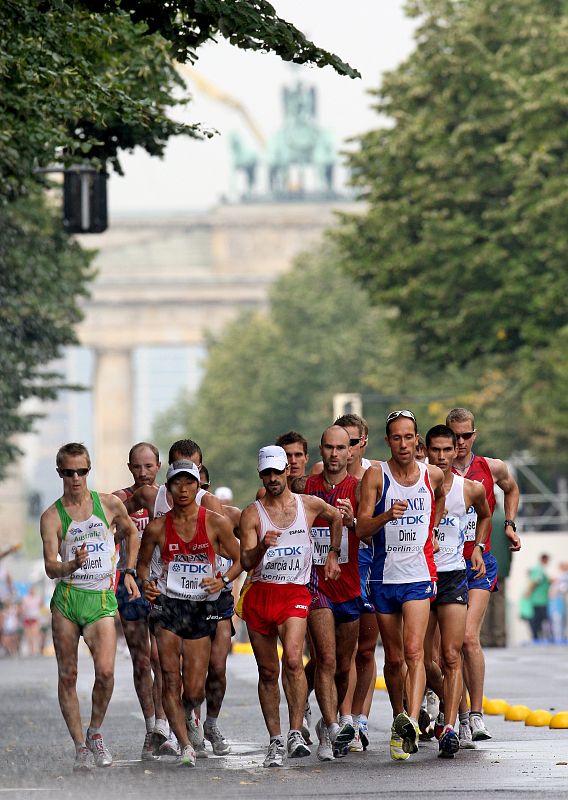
539	718
496	707
380	682
517	713
559	720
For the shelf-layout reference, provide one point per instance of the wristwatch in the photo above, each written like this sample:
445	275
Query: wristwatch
336	550
225	580
511	522
129	571
480	545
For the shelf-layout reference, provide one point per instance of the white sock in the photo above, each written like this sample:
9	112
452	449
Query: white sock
346	719
150	723
92	732
333	730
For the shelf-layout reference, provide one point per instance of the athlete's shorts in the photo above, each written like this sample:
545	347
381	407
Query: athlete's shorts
225	608
489	580
131	610
188	619
389	598
365	561
451	588
83	606
265	606
347	611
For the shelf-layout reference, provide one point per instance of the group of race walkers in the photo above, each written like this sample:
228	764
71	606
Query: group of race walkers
357	548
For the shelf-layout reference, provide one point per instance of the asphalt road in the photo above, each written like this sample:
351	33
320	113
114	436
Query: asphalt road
36	753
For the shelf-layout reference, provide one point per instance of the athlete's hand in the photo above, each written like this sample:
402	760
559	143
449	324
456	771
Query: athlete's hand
81	555
514	539
212	585
477	563
435	544
346	509
270	539
331	570
150	590
131	587
398	508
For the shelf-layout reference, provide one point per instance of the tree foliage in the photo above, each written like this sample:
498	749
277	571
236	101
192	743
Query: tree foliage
466	184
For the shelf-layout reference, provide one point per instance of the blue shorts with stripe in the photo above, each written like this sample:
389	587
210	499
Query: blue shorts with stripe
389	598
489	580
365	562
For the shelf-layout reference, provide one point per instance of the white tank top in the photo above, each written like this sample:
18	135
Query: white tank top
365	463
98	571
290	560
452	528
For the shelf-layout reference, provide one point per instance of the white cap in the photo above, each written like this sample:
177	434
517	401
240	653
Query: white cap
272	457
182	467
224	493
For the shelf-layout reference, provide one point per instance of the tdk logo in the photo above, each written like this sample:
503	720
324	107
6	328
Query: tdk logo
92	547
196	568
279	552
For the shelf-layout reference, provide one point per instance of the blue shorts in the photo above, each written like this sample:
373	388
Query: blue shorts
131	610
389	598
225	605
347	611
452	588
365	561
489	580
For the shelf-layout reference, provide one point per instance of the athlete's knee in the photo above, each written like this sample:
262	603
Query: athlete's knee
68	677
413	653
452	658
268	674
104	675
293	662
471	642
141	665
394	661
365	654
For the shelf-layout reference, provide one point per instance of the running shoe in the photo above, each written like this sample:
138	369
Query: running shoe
218	742
195	732
364	733
170	747
409	732
296	746
424	724
449	743
343	739
187	757
148	747
478	730
100	753
325	749
307	724
432	704
356	745
82	761
275	755
396	751
439	725
160	734
466	740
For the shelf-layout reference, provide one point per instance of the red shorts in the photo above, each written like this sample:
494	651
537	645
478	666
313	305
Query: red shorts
267	605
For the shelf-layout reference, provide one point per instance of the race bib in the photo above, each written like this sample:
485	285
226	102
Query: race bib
185	575
321	539
470	528
283	564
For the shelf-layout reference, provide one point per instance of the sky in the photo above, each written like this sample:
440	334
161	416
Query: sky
372	35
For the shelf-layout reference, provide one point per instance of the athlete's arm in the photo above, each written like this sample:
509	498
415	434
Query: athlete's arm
252	549
437	482
317	468
371	491
298	485
124	528
474	495
143	497
508	484
50	528
224	542
316	507
153	536
212	503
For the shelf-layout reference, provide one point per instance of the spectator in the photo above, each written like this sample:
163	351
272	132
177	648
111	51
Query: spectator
538	593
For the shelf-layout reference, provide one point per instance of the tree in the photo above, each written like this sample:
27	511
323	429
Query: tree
81	82
465	233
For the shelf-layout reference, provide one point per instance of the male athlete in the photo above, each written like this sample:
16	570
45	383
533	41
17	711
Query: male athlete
276	545
401	502
488	471
81	528
184	616
449	607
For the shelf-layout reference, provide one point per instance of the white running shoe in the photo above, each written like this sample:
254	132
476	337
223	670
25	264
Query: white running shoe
100	753
195	733
432	704
307	724
186	758
82	761
170	747
478	730
160	734
148	747
296	746
466	740
325	748
275	754
218	742
356	745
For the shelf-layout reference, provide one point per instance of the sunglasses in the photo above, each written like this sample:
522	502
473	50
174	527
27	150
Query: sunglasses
354	442
68	473
266	472
205	485
403	413
465	436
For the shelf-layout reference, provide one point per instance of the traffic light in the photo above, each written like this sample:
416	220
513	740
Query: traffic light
84	201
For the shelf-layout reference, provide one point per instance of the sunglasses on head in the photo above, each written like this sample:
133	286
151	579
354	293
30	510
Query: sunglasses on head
403	413
465	436
68	473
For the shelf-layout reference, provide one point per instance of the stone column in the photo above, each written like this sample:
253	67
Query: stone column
113	409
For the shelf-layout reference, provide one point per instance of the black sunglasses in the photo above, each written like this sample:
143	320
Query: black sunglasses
205	485
465	436
354	442
68	473
266	472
